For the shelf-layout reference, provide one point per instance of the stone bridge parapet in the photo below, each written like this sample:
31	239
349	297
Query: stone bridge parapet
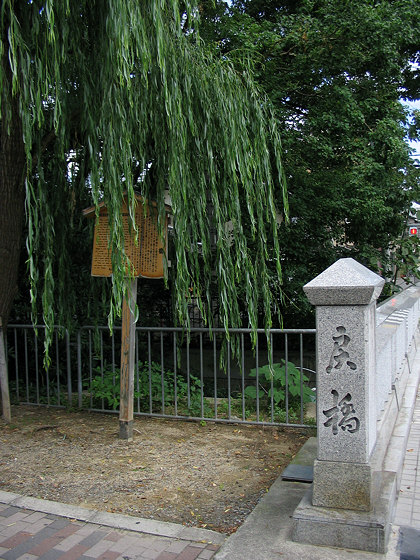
367	379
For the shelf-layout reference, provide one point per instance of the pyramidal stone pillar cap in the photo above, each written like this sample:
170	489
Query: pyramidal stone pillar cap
346	282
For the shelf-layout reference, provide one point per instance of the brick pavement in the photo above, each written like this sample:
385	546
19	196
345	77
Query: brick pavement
29	535
407	513
408	505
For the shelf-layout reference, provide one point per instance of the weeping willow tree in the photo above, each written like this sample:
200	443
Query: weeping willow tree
102	98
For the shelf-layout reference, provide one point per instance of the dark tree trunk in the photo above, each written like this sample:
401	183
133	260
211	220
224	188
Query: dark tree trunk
12	165
12	199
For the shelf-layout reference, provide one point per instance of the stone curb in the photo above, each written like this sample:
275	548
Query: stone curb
118	521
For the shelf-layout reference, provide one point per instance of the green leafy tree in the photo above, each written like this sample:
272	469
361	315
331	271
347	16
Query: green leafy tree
336	72
101	98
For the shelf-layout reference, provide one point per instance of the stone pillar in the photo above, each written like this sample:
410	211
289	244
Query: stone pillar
345	298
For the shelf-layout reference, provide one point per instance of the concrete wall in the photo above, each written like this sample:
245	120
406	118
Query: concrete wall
396	323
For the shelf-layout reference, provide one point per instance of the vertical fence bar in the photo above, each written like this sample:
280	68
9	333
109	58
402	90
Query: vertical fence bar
215	374
188	373
58	367
79	370
36	368
102	366
25	338
175	376
113	356
90	367
228	374
69	384
162	372
137	372
58	386
201	375
271	380
113	365
301	376
149	361
16	364
243	375
257	381
57	372
286	376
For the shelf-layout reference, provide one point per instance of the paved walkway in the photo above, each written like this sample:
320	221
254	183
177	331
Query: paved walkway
28	534
407	514
408	506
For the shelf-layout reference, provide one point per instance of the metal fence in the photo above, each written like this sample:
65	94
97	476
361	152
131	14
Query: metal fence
30	382
198	375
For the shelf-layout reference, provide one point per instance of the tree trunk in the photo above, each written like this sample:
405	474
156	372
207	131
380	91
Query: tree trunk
12	165
4	382
12	200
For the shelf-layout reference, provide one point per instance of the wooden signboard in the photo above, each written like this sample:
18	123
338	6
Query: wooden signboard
147	256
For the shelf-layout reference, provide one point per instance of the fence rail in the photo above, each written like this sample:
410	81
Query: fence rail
198	375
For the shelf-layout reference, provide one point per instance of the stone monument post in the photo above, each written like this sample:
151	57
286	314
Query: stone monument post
345	298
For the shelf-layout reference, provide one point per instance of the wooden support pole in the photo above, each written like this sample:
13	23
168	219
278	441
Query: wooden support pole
127	362
4	379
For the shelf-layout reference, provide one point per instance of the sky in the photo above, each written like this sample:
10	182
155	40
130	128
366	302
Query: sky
414	105
415	145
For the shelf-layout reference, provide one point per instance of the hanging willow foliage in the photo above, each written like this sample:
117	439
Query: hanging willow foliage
126	92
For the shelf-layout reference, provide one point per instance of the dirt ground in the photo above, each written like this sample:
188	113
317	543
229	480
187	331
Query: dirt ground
205	475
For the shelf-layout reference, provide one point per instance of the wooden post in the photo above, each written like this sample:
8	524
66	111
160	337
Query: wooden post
4	379
127	362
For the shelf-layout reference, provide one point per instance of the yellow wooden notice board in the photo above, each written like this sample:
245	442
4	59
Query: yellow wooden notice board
147	256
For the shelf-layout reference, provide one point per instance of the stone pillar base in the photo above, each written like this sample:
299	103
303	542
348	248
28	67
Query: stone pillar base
343	528
342	485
